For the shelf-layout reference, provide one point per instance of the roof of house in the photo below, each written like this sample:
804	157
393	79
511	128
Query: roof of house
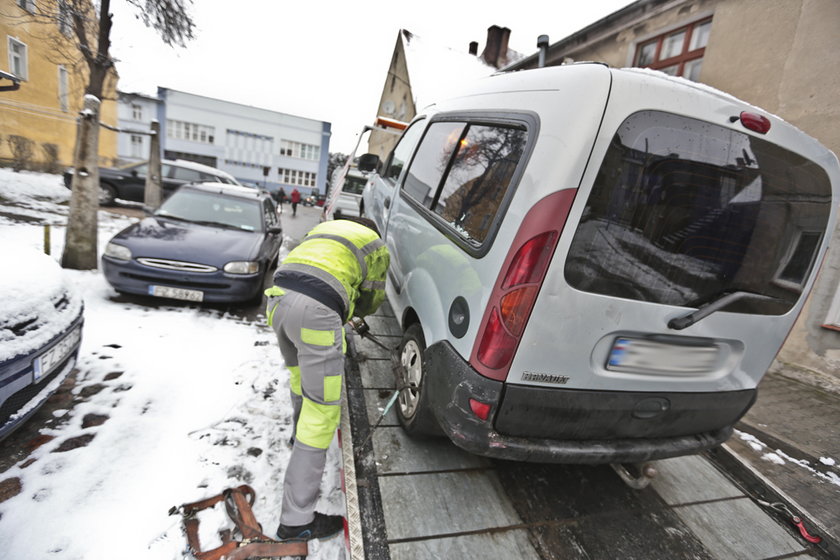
435	71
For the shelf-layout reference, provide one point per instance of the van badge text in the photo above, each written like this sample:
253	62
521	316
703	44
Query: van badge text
544	377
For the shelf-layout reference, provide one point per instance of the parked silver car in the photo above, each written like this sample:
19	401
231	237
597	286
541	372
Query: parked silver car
594	265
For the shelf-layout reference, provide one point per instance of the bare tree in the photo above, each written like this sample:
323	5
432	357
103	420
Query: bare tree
86	25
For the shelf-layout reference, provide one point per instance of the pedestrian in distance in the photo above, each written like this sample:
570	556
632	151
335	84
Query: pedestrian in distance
295	201
336	273
281	196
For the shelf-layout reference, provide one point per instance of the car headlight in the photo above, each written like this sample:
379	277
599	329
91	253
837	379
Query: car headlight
117	252
242	267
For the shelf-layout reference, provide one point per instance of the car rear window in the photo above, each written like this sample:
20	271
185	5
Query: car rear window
353	185
683	211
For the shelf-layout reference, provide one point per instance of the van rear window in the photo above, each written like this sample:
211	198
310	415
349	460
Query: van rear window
683	211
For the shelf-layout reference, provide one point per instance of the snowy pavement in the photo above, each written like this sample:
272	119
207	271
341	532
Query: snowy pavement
177	403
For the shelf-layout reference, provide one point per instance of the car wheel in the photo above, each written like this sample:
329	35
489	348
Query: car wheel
414	410
107	194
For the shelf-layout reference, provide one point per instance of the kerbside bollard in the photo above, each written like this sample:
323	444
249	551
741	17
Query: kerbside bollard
47	244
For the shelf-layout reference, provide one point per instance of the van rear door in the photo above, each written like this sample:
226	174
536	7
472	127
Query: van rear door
681	207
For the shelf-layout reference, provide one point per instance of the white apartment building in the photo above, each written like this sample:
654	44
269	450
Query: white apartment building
257	146
135	113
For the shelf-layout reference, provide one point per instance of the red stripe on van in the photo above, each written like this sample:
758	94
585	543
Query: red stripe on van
518	285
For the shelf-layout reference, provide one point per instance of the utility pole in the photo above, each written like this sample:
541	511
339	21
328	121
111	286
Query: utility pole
152	195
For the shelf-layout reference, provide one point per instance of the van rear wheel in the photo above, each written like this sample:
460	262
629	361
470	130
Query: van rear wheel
413	408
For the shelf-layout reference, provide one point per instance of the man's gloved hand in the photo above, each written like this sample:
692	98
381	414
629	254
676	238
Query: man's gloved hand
359	326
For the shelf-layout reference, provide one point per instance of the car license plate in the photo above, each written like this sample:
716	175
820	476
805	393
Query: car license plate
46	362
651	356
176	293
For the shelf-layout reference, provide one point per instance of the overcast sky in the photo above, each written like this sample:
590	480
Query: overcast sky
325	60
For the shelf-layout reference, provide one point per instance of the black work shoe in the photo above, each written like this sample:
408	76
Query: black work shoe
322	527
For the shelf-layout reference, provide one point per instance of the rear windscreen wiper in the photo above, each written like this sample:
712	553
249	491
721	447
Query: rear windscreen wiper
680	323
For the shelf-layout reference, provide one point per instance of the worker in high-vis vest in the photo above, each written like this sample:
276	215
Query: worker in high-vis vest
336	273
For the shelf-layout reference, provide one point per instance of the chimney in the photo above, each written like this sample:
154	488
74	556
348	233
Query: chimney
502	59
473	48
495	51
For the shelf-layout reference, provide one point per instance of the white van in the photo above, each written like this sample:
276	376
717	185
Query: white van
594	265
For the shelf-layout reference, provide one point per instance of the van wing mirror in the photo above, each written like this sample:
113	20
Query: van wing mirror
369	162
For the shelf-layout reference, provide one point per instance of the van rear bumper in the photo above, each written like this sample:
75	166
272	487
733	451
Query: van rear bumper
450	394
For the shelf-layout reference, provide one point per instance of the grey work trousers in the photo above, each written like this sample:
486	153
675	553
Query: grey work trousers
311	340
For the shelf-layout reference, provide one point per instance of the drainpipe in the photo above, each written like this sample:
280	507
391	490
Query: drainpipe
542	44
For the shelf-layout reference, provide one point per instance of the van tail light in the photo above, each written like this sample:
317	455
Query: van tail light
518	285
480	409
755	122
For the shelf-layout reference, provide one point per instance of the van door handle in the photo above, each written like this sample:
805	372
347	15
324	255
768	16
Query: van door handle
387	202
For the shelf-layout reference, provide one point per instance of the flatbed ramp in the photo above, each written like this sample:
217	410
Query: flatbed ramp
411	499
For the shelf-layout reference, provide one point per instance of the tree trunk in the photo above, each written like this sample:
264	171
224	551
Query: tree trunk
80	245
151	195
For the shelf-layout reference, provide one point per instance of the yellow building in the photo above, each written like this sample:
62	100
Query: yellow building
39	48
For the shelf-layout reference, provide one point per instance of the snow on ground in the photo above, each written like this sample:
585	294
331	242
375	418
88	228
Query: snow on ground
779	457
196	401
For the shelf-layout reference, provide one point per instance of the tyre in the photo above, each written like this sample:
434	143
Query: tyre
107	194
414	410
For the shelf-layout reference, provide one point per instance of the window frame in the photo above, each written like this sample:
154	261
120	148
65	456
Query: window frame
63	88
526	120
685	56
24	76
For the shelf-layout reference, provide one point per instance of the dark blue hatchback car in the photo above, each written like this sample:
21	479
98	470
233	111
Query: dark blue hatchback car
208	242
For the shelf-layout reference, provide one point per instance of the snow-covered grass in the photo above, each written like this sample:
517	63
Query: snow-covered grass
195	400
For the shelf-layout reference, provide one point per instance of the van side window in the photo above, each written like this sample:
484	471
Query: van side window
402	151
479	177
432	160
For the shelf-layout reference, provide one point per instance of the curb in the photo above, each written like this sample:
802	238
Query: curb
366	525
754	484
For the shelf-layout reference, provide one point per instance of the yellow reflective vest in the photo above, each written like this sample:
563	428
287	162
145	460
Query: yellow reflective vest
339	263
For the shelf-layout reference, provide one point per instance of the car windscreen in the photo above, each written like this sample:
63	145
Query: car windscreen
354	185
683	212
212	209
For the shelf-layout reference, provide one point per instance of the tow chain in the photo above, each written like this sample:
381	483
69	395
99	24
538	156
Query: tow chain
793	518
363	330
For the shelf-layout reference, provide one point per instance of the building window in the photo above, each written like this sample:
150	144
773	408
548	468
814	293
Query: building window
180	130
678	52
64	18
297	177
62	89
136	146
136	112
18	62
299	150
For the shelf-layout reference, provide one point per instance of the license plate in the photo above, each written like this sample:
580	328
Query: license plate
650	356
46	362
176	293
